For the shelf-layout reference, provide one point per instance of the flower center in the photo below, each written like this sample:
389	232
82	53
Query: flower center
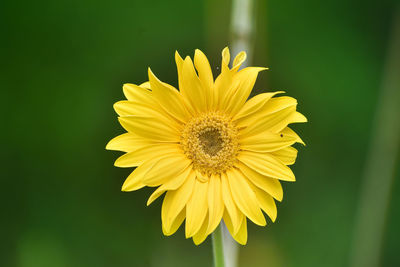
210	141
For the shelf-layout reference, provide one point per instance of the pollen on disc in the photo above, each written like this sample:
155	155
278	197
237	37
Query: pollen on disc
210	140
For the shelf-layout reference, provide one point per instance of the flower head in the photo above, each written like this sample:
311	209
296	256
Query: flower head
216	154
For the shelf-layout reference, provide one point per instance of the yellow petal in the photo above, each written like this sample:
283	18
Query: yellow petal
222	85
266	202
290	132
234	213
192	89
137	93
286	155
175	201
270	185
267	165
179	68
228	222
144	153
226	57
254	104
241	235
245	80
168	97
129	108
278	103
173	184
244	197
266	142
223	82
202	233
135	179
273	105
239	59
274	122
127	142
202	178
176	223
297	117
150	128
196	209
165	169
145	85
205	73
215	203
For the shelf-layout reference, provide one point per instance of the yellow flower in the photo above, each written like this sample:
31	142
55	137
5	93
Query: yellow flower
215	154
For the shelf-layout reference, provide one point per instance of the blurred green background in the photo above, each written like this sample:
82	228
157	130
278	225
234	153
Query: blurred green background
62	67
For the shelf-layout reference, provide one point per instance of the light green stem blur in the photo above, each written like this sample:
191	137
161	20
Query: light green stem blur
242	29
218	247
382	163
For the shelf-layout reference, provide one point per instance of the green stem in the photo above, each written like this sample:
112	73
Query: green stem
218	247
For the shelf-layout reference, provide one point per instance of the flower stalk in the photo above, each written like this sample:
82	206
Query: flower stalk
242	28
218	248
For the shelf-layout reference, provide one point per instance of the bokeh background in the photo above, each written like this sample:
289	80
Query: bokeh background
63	64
